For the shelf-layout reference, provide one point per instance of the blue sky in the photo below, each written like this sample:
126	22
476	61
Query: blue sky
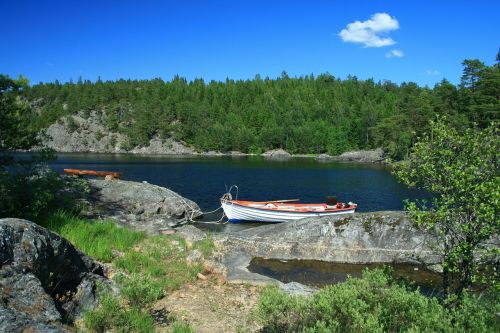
420	41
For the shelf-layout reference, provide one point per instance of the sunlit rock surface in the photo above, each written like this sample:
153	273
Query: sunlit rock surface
378	237
140	206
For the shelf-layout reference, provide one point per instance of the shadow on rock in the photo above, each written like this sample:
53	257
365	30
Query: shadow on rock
44	280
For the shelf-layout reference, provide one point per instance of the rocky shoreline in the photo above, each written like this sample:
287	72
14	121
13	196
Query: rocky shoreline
80	134
360	238
46	283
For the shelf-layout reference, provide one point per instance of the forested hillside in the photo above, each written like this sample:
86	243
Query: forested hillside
310	114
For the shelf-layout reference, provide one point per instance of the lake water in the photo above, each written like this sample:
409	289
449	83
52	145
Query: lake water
319	273
205	179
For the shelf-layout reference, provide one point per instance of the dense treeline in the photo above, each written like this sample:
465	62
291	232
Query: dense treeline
302	115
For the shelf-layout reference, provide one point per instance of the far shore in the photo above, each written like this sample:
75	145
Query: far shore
317	157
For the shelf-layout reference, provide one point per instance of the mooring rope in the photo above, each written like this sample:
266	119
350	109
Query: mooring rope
192	211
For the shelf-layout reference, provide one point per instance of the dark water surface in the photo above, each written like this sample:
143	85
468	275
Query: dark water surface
204	179
318	273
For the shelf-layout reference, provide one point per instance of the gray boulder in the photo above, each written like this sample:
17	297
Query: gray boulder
140	206
277	154
368	156
324	158
191	233
44	279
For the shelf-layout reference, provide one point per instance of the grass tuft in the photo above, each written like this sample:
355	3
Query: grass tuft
140	290
95	238
205	246
180	327
111	314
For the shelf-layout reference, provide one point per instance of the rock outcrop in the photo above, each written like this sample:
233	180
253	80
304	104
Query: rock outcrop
367	156
190	233
324	158
163	147
140	206
79	133
379	237
277	154
44	280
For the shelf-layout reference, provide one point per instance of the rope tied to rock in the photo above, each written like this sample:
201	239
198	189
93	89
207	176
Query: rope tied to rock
192	212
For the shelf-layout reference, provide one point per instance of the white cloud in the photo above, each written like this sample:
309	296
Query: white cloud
368	32
433	72
394	54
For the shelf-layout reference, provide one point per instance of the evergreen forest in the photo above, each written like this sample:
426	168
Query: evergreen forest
303	115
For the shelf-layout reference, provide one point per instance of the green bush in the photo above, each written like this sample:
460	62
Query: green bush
373	303
30	192
99	135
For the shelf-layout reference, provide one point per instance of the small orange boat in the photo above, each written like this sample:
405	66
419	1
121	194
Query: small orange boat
80	172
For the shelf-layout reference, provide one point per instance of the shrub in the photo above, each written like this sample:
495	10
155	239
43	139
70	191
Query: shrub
373	303
30	192
99	135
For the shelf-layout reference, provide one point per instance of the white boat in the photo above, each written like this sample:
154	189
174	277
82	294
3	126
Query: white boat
280	210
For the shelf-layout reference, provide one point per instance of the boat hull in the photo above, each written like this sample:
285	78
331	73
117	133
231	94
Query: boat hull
239	213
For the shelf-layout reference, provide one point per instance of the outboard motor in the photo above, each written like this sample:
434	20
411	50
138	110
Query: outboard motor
331	200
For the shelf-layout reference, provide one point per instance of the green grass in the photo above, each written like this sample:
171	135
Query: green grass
182	328
161	260
95	238
146	268
205	246
111	314
139	289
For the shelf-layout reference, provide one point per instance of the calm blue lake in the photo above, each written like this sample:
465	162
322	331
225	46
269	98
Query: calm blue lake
205	179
